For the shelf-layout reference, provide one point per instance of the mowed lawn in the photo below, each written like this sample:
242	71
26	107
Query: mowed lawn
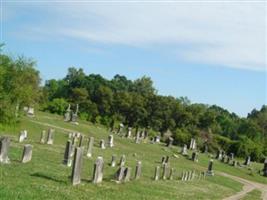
45	177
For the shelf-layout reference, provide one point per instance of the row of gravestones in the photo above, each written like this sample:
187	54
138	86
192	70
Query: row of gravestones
229	159
27	153
4	148
123	174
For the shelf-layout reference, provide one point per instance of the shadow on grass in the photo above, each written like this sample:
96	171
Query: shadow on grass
41	175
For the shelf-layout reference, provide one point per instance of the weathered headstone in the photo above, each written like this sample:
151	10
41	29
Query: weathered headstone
120	129
67	154
219	155
77	166
184	150
129	132
247	161
232	156
102	144
138	170
157	173
165	171
74	115
122	161
50	136
137	137
120	174
113	161
195	156
169	142
163	159
171	174
27	153
90	147
4	147
205	148
67	115
30	112
210	169
98	170
81	141
127	174
42	139
234	163
110	141
21	137
192	144
157	139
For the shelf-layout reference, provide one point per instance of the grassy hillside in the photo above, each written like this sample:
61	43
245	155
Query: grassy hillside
46	178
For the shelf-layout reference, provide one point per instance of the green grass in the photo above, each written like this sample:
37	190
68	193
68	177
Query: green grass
253	195
46	178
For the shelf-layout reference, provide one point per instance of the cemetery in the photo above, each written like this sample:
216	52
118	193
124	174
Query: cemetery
56	159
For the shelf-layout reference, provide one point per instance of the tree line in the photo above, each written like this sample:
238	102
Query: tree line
135	103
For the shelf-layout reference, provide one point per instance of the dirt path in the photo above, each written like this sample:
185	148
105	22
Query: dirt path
248	187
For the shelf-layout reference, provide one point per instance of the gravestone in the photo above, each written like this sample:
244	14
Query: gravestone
129	132
138	170
120	174
113	161
50	136
171	174
120	129
81	141
42	139
30	112
219	155
170	141
157	173
165	171
195	156
137	137
167	159
163	159
110	141
74	115
127	174
67	115
23	135
27	153
77	166
102	144
232	156
157	139
234	164
4	147
122	161
98	170
67	154
192	144
205	148
247	161
90	147
184	150
210	169
183	176
265	168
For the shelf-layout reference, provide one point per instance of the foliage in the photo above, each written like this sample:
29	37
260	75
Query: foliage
19	86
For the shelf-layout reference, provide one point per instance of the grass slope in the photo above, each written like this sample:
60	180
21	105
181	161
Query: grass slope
46	178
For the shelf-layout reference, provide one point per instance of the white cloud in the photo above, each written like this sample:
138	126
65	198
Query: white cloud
225	34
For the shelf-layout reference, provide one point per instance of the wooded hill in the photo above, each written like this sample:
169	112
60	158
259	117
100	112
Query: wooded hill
135	103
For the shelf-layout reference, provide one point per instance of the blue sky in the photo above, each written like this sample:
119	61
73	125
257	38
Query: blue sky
213	52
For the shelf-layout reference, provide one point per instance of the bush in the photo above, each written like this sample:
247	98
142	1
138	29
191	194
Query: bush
58	106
